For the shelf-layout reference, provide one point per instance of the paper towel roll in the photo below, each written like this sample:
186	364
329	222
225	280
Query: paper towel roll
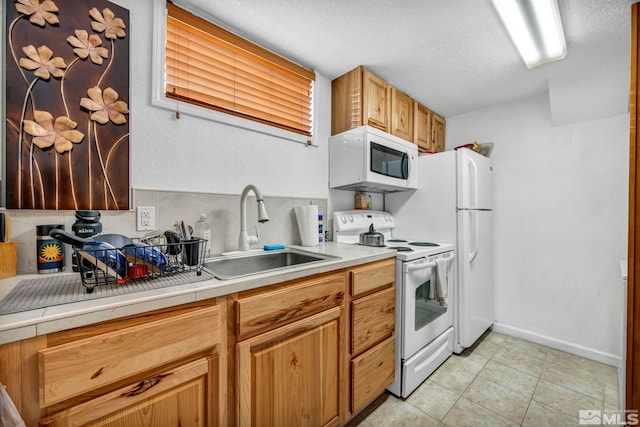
307	217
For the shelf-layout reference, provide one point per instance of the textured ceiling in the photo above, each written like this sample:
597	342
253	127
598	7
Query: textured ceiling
451	55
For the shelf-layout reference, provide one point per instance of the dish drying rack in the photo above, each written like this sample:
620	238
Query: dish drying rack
146	259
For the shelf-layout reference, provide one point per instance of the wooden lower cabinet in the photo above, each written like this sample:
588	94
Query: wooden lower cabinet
290	376
372	331
166	367
320	368
308	352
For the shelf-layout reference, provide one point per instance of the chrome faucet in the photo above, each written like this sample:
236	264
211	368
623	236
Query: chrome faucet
245	240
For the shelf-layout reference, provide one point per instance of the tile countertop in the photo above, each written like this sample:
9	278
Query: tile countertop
27	324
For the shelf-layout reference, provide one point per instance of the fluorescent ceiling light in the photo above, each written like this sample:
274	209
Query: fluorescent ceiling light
535	28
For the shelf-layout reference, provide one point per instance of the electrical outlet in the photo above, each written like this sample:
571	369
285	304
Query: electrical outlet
145	218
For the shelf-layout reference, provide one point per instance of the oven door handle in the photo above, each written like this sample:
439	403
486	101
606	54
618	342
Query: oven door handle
420	266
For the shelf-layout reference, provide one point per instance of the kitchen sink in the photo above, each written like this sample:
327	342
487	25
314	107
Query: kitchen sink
232	266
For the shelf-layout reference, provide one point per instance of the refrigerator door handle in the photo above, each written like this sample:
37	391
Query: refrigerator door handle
473	183
474	236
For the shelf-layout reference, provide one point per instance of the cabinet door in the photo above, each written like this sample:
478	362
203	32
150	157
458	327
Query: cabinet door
290	376
422	128
374	101
176	397
401	115
438	131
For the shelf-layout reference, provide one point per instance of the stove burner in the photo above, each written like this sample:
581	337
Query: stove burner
397	240
423	244
401	248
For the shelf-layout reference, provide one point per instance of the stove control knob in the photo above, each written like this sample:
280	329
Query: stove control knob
343	219
350	218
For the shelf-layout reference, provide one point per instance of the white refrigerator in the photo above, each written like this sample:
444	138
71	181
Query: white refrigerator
453	204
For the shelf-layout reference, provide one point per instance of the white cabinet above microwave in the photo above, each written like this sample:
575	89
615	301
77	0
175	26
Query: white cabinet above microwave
370	160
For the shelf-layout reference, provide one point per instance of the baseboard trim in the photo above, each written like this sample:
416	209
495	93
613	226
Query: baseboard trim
576	349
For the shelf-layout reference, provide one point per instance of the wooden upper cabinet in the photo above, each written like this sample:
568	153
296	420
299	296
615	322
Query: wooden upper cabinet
428	129
346	101
359	98
437	131
401	115
375	104
422	128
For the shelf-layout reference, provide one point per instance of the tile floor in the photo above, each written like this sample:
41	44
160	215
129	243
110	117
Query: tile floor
501	381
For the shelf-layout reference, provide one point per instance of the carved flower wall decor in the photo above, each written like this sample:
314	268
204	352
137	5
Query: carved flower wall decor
106	21
43	62
67	105
38	13
88	45
47	132
105	106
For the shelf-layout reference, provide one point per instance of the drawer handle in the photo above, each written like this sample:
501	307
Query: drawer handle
144	385
97	374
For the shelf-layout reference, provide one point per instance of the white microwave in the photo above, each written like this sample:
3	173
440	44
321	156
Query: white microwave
368	159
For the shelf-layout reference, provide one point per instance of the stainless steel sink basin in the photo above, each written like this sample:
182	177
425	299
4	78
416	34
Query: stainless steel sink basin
232	266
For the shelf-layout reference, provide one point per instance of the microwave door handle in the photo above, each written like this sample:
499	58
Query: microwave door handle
405	166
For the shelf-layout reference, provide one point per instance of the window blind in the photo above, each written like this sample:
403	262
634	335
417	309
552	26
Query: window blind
208	66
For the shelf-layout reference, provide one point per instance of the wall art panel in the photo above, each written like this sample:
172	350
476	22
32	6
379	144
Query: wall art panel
67	105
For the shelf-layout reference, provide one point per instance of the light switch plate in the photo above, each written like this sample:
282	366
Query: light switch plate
145	218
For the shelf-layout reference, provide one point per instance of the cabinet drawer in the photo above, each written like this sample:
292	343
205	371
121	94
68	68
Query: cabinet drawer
270	309
77	367
371	373
173	397
372	319
372	276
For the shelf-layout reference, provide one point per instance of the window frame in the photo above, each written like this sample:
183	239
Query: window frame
159	99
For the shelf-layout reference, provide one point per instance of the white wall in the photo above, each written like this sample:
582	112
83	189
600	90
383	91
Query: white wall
193	154
560	223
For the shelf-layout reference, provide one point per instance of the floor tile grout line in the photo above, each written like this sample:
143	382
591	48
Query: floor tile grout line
530	400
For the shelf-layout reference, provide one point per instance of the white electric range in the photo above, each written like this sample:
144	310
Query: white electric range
424	295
